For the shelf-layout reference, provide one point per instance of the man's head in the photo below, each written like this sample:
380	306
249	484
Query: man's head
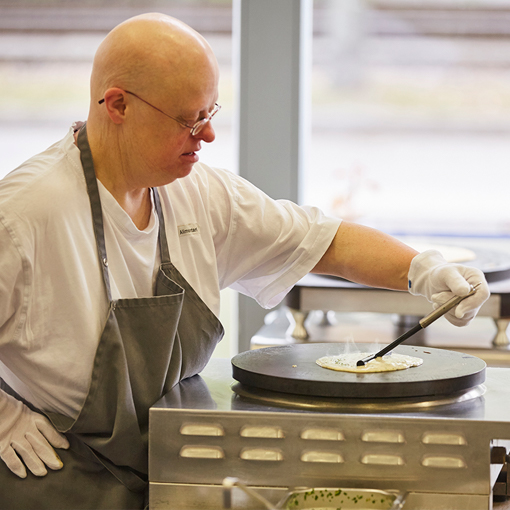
156	75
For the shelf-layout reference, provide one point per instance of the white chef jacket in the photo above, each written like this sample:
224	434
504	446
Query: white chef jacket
222	232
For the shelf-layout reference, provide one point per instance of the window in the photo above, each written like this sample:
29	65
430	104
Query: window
411	115
46	52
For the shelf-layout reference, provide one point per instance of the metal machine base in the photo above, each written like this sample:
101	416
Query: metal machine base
202	431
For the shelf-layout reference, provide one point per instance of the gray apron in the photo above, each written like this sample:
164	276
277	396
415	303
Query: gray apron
147	346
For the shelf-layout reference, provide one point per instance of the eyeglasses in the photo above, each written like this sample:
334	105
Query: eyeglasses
194	129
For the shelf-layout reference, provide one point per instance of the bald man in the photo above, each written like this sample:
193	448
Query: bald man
114	245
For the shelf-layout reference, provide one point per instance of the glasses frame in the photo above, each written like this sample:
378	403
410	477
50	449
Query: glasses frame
194	129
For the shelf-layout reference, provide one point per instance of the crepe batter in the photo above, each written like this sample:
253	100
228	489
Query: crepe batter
389	363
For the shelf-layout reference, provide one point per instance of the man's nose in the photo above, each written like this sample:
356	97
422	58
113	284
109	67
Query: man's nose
207	134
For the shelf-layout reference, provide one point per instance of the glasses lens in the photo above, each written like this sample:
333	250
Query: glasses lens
201	123
198	126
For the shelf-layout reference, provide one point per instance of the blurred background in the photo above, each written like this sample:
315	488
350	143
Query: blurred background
410	104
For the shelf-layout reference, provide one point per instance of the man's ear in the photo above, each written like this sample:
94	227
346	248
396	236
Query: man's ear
115	104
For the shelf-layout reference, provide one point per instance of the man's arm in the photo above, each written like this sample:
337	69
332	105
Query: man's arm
27	438
368	256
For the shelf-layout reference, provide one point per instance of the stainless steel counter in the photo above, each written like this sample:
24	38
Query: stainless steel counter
438	451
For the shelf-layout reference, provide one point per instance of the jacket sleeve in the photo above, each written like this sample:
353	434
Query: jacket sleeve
14	285
269	244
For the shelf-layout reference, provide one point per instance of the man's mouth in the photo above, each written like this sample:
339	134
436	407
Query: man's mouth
190	157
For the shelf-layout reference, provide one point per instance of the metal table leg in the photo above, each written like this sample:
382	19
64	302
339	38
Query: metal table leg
297	327
501	338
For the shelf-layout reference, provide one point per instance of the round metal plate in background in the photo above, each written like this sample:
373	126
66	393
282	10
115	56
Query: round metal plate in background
292	369
495	264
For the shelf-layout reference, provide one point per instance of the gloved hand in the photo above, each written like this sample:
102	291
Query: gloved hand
430	275
29	435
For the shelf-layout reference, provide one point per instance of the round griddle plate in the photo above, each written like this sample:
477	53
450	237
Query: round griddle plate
292	369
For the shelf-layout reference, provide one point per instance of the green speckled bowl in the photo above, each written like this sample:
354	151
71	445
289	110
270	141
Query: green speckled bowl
343	499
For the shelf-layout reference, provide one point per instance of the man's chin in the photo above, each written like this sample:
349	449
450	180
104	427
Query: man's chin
174	174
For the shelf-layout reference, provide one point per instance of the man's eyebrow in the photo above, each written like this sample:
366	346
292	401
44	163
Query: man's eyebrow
201	115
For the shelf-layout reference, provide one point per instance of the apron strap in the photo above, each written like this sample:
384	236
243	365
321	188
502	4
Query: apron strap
163	243
97	214
95	204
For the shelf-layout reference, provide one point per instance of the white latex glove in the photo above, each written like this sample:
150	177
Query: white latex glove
28	435
430	275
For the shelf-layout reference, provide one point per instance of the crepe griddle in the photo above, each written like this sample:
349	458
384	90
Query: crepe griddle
292	369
